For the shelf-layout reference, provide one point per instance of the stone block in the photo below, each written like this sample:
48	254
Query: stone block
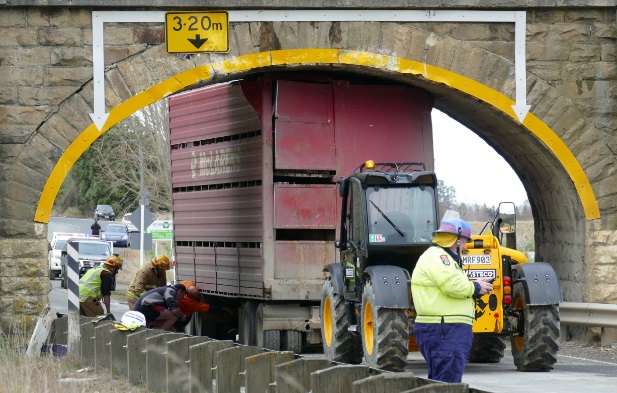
545	16
8	96
71	56
49	96
116	54
243	38
585	52
12	17
34	56
63	128
38	17
547	51
8	57
67	76
86	37
118	36
118	85
19	36
65	36
149	35
81	17
23	114
21	76
585	14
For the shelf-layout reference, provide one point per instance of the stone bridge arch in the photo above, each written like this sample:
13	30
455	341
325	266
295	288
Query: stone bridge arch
554	152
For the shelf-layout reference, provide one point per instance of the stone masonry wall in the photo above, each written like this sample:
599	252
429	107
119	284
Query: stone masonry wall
46	96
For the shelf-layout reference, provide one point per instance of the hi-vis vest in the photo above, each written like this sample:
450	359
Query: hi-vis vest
90	284
440	288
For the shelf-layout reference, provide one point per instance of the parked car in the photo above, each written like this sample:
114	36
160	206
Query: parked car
126	220
58	241
92	252
104	211
118	233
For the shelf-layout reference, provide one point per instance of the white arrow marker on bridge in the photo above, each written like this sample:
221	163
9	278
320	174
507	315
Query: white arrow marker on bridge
99	117
520	72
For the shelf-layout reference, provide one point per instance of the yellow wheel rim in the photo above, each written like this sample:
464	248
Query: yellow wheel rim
327	321
368	328
518	340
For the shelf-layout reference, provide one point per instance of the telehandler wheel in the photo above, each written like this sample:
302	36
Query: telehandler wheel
487	349
385	334
537	349
339	344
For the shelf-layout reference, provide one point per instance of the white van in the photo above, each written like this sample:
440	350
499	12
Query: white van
58	241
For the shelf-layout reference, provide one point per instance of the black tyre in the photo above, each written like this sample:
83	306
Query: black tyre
267	339
52	274
537	349
291	340
339	344
385	334
248	320
63	279
487	349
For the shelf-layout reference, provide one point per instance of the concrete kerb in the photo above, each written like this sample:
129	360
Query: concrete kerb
202	359
295	376
136	355
178	360
119	352
87	339
389	382
339	379
156	360
230	363
260	371
102	346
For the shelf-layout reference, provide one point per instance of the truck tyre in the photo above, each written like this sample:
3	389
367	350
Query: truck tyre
247	326
267	339
292	341
52	275
487	349
385	334
537	349
339	344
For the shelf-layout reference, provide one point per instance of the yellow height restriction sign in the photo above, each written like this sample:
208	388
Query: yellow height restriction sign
196	32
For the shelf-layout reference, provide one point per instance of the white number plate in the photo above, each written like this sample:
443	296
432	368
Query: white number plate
475	274
476	259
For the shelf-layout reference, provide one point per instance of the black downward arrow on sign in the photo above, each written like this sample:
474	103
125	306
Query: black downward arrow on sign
197	41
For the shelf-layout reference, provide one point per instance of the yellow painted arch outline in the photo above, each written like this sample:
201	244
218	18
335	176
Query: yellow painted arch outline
315	56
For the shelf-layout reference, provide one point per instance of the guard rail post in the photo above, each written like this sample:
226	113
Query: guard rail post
178	377
230	363
260	370
102	347
136	355
156	360
202	361
338	379
297	372
119	353
599	315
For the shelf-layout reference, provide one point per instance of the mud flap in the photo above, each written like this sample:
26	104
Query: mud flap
540	283
391	285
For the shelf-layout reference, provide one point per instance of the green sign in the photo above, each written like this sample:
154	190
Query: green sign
161	230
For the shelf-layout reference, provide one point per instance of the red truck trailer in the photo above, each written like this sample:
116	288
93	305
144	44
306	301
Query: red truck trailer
254	165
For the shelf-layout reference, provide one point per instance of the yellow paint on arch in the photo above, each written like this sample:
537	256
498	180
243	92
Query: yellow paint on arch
316	56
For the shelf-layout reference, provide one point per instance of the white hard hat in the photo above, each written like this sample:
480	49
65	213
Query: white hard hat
131	320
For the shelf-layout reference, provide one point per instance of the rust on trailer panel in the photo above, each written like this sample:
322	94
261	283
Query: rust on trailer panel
308	206
303	260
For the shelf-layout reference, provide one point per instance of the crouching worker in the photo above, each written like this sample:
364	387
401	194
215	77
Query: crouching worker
190	303
160	306
96	285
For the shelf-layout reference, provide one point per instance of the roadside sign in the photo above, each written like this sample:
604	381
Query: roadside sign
135	217
161	230
197	32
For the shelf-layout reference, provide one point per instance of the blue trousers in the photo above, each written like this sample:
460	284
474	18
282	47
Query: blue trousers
446	347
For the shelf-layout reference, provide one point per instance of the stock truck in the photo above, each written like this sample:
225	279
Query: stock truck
254	170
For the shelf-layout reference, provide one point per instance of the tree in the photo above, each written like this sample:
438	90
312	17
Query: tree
446	196
109	171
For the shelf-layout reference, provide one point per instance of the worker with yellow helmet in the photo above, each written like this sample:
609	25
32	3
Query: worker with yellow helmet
149	276
96	285
443	297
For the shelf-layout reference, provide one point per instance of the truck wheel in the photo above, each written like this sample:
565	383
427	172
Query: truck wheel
52	275
339	344
487	349
248	321
267	339
292	341
385	334
537	349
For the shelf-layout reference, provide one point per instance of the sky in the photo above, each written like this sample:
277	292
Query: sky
457	147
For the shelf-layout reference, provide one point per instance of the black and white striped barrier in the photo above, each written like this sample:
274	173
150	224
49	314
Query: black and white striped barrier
72	266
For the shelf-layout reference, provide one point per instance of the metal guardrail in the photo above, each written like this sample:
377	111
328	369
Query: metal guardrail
590	314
